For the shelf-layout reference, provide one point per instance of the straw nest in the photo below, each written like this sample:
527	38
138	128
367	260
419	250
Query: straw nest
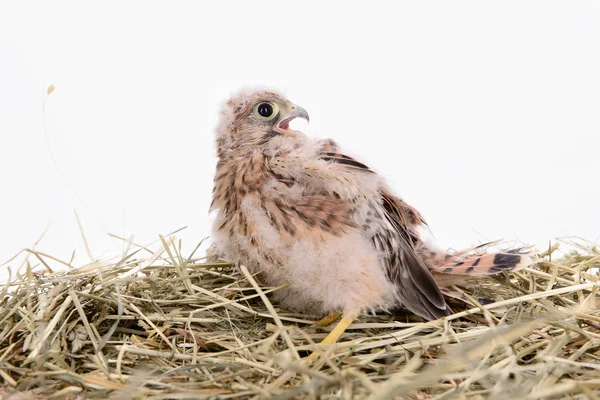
158	325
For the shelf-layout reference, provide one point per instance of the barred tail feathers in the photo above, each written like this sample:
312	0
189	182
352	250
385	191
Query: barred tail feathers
485	264
456	268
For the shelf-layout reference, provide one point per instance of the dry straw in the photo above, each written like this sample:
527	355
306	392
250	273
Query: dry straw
158	325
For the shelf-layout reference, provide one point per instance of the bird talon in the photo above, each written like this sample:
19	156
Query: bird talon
328	319
333	336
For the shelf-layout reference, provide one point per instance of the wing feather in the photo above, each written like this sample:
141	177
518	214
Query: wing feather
345	160
417	289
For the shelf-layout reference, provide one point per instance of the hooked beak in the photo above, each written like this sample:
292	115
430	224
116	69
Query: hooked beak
283	126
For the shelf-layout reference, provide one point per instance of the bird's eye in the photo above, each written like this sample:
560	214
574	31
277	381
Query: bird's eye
266	110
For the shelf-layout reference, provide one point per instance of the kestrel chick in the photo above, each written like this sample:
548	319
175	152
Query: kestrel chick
300	212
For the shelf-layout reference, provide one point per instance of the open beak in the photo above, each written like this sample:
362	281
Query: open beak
283	126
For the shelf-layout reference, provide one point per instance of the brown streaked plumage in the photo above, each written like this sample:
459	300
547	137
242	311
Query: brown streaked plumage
301	212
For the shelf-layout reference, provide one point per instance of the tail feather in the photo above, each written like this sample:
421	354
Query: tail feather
485	264
456	268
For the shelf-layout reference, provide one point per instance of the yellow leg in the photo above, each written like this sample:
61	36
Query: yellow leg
335	334
328	319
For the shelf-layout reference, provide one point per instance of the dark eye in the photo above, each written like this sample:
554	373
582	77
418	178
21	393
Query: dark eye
265	110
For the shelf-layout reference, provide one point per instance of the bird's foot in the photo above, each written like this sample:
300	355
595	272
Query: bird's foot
328	319
334	335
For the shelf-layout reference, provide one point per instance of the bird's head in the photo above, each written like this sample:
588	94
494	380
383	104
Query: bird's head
252	119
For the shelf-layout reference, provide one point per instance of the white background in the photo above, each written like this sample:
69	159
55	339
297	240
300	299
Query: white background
485	116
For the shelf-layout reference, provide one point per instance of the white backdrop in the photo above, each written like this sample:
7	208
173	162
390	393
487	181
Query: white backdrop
483	115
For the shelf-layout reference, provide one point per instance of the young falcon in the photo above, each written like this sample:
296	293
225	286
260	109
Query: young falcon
299	212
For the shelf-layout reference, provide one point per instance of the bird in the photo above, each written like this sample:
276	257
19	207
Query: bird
299	212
